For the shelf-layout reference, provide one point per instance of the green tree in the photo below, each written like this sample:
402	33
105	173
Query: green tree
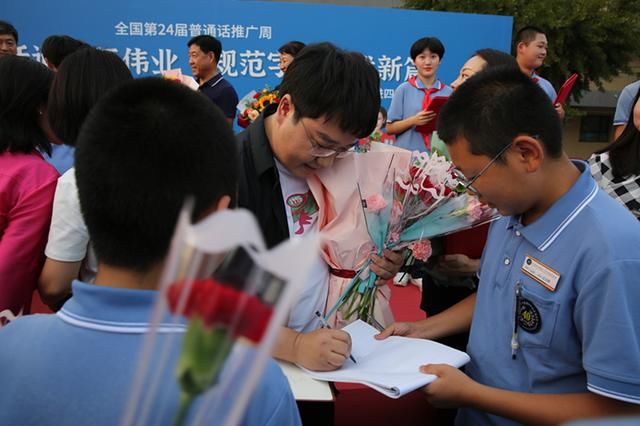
595	38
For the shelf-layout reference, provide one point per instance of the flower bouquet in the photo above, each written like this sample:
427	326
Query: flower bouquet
229	296
254	103
345	241
413	202
177	76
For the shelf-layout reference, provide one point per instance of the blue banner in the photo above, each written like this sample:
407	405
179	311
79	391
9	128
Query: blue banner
151	36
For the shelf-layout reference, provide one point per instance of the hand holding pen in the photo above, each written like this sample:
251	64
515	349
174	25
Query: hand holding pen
326	325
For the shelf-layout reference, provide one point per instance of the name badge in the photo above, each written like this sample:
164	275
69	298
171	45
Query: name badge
541	273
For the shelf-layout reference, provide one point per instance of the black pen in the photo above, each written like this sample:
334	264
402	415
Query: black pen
326	325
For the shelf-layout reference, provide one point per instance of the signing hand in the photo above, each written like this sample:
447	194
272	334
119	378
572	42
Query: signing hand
387	265
451	387
323	349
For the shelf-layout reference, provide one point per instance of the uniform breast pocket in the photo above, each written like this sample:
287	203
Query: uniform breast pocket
537	317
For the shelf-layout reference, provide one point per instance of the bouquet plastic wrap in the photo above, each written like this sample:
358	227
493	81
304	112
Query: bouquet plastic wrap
402	200
230	296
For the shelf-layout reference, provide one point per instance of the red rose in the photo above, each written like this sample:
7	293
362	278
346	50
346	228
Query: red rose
219	304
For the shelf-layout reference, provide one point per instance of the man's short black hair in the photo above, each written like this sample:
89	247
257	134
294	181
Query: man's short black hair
496	58
326	81
527	34
57	47
24	88
494	106
292	48
207	44
82	79
432	43
147	146
7	28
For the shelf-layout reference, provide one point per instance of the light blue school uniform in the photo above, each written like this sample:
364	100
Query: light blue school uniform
584	335
625	103
62	157
407	102
546	86
77	367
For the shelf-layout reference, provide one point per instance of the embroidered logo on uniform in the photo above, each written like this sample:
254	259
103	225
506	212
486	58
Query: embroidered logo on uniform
303	207
528	316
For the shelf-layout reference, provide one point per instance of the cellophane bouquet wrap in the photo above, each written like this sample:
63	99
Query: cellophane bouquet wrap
222	299
346	245
403	199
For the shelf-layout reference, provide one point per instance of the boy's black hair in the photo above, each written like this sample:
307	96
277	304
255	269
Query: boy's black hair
527	34
7	28
624	152
24	88
494	106
292	48
496	58
326	81
82	79
432	43
145	147
57	47
207	44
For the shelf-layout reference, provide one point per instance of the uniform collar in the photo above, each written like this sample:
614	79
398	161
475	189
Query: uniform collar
113	310
214	80
437	84
546	229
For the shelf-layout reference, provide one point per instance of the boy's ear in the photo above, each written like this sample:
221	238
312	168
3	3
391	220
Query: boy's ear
520	47
530	152
285	108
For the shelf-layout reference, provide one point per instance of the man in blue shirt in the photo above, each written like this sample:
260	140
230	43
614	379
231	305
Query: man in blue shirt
554	324
204	55
77	367
531	50
8	39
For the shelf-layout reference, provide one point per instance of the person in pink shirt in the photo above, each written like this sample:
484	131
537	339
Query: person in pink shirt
27	181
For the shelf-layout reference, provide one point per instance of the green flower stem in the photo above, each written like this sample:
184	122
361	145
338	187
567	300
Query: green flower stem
186	399
204	351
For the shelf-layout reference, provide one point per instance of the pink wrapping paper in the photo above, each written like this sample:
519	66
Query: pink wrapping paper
345	242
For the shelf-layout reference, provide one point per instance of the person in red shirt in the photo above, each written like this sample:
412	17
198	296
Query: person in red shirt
27	181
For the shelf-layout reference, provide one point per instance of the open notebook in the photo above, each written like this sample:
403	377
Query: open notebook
390	366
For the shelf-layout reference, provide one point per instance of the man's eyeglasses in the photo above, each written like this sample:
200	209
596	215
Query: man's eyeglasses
320	151
467	183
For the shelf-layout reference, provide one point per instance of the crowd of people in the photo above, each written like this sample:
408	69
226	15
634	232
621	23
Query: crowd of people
544	304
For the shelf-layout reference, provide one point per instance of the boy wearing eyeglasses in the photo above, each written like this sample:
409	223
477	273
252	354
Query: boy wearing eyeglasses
554	324
329	98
